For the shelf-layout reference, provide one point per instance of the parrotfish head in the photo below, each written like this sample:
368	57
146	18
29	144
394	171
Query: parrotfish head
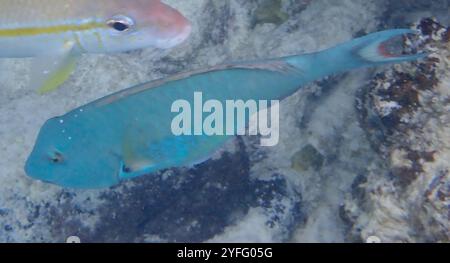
136	24
64	156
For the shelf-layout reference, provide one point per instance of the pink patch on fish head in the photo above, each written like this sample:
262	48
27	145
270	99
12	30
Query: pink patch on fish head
167	25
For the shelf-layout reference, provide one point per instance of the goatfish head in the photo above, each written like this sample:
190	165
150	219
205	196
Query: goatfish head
141	23
55	34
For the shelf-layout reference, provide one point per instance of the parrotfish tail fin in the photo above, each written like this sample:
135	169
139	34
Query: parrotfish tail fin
384	47
372	50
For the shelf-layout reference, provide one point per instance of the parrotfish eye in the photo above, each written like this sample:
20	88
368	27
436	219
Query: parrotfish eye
121	23
56	157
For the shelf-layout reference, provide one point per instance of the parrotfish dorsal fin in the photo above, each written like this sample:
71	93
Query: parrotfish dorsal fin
270	65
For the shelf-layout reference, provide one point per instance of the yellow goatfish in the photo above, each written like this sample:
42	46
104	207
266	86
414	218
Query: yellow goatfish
57	32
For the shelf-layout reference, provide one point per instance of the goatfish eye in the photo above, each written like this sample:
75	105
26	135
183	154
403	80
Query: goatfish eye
56	157
120	23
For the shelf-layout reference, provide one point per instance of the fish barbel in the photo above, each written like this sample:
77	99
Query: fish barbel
56	32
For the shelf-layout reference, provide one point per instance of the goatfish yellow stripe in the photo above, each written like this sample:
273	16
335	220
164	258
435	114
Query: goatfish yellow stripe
33	31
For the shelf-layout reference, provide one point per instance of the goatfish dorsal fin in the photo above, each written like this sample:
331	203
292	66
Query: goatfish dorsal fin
51	70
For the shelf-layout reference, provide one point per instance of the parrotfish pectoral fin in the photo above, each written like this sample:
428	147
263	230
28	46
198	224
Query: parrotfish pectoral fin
135	152
375	48
135	169
51	70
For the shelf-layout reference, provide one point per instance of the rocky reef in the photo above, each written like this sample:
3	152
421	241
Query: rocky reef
361	154
405	112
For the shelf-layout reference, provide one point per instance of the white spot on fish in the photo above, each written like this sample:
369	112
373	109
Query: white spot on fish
61	121
70	138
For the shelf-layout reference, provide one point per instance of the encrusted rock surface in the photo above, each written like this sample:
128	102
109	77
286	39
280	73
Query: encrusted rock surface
297	191
406	114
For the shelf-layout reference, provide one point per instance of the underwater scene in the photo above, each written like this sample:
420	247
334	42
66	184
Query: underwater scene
225	121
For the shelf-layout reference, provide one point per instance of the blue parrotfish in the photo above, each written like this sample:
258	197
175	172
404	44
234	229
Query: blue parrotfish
56	32
128	134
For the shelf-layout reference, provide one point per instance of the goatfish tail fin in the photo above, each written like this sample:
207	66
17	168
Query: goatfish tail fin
385	47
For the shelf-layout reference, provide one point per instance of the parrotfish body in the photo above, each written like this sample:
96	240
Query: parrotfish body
56	32
129	134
